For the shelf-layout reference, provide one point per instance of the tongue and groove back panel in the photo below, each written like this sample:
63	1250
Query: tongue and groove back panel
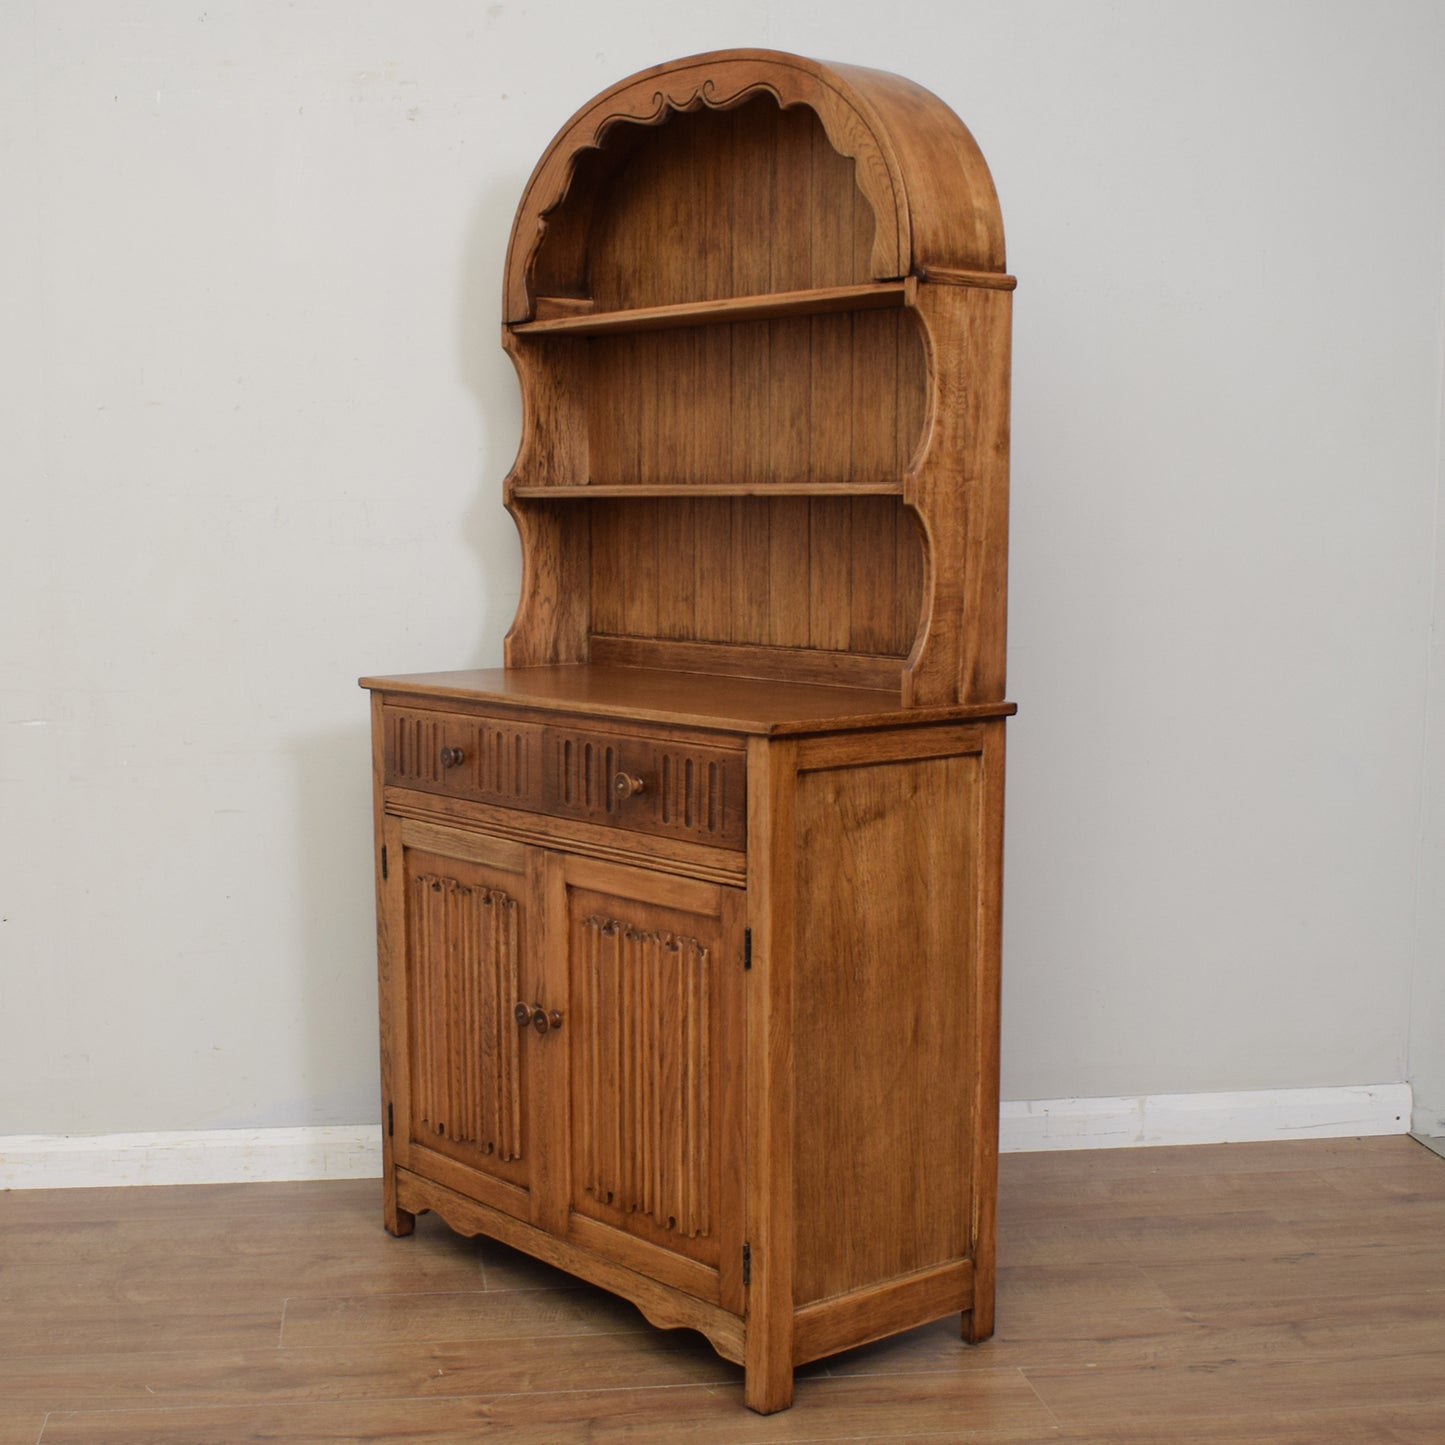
751	201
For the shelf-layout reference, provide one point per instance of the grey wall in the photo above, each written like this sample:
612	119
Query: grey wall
256	419
1427	1002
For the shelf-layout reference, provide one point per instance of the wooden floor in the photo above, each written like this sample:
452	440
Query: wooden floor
1260	1293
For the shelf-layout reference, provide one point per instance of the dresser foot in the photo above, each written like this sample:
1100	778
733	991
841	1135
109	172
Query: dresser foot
396	1220
977	1325
766	1390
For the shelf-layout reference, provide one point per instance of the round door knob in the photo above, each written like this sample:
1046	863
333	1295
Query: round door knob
453	757
543	1020
626	784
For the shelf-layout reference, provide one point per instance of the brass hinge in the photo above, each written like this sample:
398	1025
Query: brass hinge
747	948
383	860
747	1264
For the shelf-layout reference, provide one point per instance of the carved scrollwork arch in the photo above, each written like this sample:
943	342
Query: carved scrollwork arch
931	206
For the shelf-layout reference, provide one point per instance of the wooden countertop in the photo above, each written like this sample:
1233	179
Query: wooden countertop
689	699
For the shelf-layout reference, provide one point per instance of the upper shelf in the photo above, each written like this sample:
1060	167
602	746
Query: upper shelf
575	318
816	301
699	491
925	198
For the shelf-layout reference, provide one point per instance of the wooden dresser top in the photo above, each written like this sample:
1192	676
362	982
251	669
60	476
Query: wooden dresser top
729	704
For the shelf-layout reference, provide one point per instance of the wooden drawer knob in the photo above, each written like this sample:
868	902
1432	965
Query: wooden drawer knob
624	785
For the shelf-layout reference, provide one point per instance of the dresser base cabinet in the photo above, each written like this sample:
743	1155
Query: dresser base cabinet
689	914
748	1088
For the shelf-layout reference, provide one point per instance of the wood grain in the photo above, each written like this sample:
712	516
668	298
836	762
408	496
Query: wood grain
761	493
699	492
734	340
363	1369
683	698
19	1426
885	993
390	1001
1088	1395
770	1061
919	169
132	1316
664	853
784	664
827	1326
657	1075
997	1407
765	306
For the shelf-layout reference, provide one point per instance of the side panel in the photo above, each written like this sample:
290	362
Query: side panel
890	892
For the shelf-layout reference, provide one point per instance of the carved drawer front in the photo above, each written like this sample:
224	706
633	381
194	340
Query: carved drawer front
651	785
487	759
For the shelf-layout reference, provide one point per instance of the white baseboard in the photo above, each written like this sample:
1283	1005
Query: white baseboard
189	1156
1237	1118
245	1156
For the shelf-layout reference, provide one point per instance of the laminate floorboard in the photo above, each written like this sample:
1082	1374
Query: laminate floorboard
1252	1294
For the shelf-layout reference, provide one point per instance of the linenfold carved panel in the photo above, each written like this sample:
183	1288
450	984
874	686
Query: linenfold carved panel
692	793
466	1080
504	766
645	1068
584	768
413	747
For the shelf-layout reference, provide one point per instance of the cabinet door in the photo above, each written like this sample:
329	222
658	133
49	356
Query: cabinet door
656	1030
464	949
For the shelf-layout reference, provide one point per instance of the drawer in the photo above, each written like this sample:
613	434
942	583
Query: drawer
632	780
485	759
651	784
